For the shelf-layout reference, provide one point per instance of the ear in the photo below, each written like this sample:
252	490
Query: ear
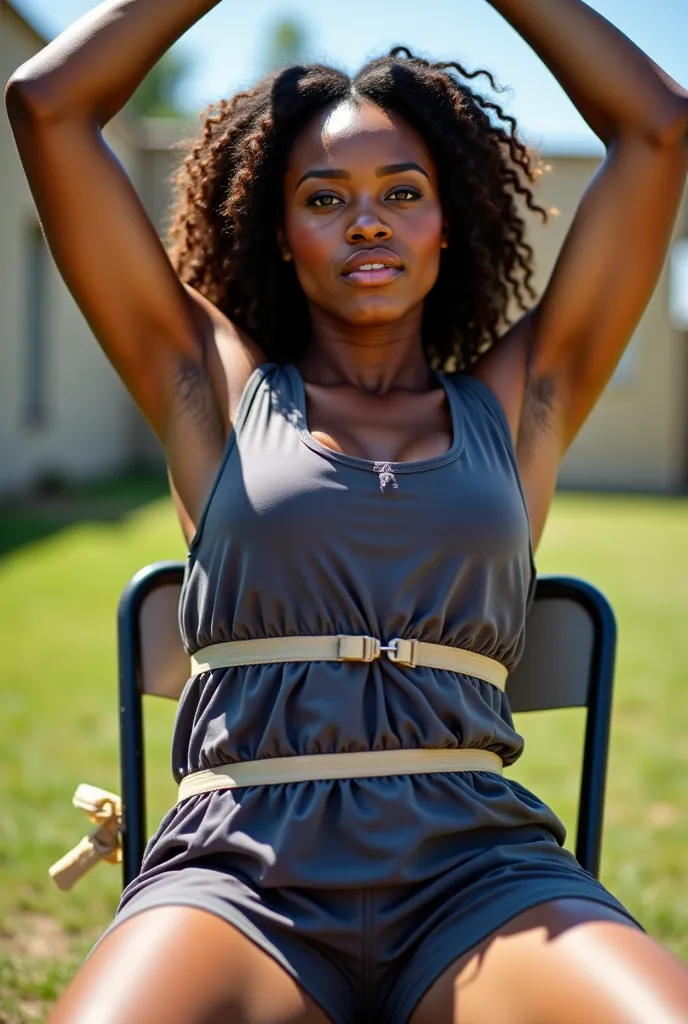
282	243
444	243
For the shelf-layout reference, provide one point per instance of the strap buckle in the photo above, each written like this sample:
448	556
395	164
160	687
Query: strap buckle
368	648
402	652
358	648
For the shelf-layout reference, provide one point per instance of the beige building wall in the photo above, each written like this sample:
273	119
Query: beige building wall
88	428
159	156
636	438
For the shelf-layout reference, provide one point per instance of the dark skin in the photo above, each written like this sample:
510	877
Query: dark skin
370	393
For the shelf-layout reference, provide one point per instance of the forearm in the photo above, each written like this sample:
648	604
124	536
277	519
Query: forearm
614	85
94	66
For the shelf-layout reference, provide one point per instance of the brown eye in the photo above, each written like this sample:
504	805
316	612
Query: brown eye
324	199
405	195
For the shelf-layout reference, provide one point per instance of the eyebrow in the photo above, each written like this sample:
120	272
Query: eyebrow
380	172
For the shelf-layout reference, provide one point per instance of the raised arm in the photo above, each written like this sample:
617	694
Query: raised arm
93	67
568	346
166	342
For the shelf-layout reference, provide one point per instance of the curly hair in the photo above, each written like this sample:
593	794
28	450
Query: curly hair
228	202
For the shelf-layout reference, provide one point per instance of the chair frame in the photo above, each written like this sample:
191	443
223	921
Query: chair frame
597	726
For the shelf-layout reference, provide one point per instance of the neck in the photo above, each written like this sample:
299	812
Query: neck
374	358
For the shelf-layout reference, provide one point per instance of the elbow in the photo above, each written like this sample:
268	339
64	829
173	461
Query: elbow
670	130
13	97
20	99
27	96
664	129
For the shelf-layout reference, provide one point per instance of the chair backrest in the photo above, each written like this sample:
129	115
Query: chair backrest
164	662
566	625
568	661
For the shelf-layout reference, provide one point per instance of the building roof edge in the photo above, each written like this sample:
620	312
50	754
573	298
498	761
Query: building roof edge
17	10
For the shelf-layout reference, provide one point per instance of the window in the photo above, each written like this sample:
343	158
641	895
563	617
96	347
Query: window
678	285
35	386
627	368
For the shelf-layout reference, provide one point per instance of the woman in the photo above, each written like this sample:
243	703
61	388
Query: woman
340	250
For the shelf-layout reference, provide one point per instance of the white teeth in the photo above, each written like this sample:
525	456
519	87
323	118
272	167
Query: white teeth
372	266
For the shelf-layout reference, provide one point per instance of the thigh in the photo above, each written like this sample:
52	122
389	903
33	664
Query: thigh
182	965
563	962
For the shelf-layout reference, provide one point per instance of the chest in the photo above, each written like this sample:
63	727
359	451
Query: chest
298	504
398	427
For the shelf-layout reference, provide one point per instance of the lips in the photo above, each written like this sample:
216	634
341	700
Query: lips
371	261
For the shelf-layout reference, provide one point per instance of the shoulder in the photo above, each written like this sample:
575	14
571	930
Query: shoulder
529	405
529	400
480	403
503	370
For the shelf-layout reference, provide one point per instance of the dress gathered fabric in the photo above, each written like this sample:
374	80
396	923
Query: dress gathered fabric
297	539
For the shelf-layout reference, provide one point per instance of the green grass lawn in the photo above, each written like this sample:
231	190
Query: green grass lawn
61	573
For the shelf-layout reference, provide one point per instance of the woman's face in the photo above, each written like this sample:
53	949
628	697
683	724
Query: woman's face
362	215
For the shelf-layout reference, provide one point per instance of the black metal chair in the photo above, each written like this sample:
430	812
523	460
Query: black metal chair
568	662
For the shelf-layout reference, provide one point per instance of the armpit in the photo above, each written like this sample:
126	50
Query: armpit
193	394
537	413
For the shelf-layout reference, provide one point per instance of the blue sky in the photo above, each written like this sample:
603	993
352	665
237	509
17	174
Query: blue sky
227	45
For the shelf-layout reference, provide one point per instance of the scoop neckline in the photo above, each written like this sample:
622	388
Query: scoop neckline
417	465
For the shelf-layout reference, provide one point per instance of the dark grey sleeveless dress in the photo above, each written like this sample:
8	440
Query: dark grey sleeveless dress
365	889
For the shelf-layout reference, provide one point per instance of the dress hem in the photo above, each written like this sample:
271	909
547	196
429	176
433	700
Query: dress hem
440	952
447	944
233	917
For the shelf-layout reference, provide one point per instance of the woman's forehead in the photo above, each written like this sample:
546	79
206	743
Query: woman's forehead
356	134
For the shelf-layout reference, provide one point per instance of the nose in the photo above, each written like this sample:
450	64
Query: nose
368	228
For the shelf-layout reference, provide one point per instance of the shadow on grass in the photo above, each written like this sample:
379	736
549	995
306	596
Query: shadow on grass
33	517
